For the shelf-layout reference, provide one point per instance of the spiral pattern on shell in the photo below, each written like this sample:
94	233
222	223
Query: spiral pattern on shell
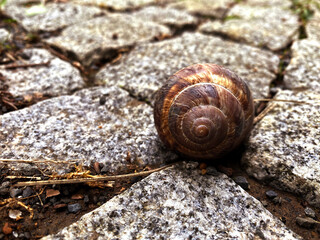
204	111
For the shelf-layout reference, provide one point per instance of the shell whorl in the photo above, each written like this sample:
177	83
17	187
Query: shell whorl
204	111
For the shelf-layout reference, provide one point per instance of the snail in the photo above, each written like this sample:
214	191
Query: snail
204	111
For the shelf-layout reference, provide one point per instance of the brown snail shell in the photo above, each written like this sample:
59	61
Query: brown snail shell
204	111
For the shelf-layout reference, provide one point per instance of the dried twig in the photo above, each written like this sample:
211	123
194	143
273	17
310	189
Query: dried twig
13	66
264	113
91	179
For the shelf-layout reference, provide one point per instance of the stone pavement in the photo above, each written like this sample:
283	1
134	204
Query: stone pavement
152	39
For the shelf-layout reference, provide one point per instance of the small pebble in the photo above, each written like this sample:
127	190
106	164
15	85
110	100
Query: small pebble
212	171
271	194
96	167
309	212
77	196
7	229
27	192
86	199
14	192
74	208
52	193
277	200
242	182
15	214
264	203
306	222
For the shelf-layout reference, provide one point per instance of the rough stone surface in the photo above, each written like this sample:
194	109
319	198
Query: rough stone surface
284	147
304	69
56	16
179	203
313	26
147	67
286	4
213	8
58	78
94	39
166	16
271	27
117	4
94	125
4	35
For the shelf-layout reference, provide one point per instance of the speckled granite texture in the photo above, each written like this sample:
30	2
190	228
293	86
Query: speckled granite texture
118	5
56	16
94	39
148	66
212	8
304	69
179	203
58	78
284	148
271	27
101	124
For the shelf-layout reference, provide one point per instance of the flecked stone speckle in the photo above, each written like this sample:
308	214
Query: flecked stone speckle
94	39
304	69
313	26
213	8
58	78
4	35
119	5
179	203
56	16
271	27
147	67
166	16
284	148
80	126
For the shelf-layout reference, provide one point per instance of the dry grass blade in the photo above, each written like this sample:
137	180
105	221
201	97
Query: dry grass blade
91	179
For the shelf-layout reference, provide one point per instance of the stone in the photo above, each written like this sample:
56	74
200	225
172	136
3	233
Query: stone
5	36
179	203
242	182
309	212
78	128
118	5
284	147
147	67
271	194
27	192
284	4
56	78
304	68
98	38
74	208
212	8
271	27
14	192
55	17
313	26
166	16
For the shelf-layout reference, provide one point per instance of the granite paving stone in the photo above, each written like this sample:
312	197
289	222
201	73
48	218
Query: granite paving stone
55	17
304	69
56	78
96	38
212	8
145	69
273	27
179	203
119	5
166	16
284	147
313	26
94	125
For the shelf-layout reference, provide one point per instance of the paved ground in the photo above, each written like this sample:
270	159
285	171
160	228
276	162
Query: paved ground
99	64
